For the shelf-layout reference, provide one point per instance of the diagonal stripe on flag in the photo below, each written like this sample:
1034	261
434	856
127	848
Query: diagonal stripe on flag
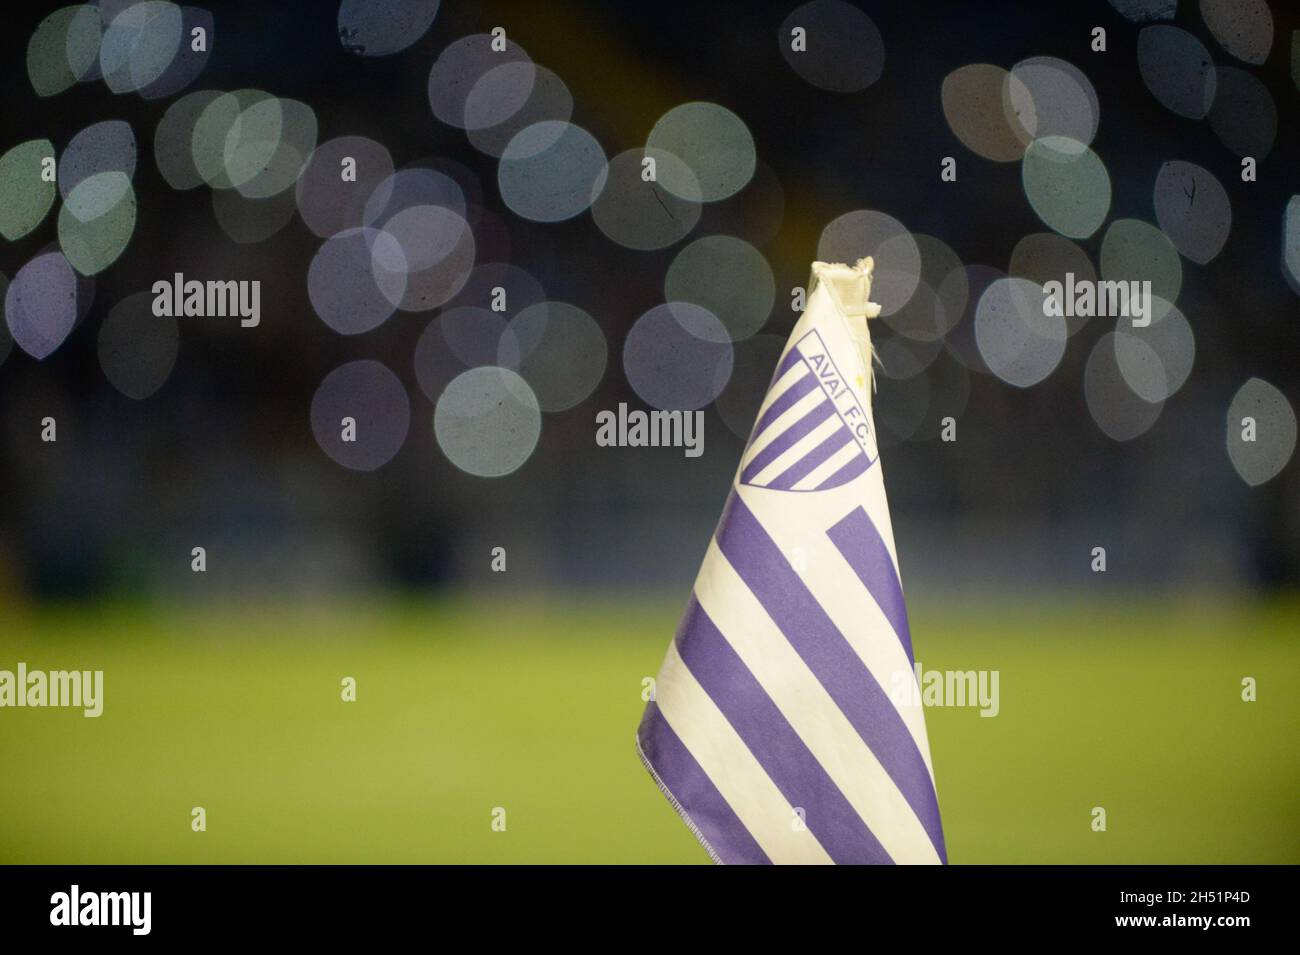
863	547
856	466
853	611
799	390
792	433
774	743
728	762
784	595
831	466
840	442
715	822
811	710
772	697
803	445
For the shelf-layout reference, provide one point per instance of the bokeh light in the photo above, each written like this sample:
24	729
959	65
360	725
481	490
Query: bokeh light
249	140
1136	251
840	49
1243	116
421	212
351	292
41	304
139	44
960	341
1261	447
551	171
678	356
713	142
360	415
1243	27
499	94
919	326
97	221
1193	210
1067	185
1051	97
469	188
943	274
25	195
267	146
411	187
517	287
1177	69
1019	343
728	277
495	92
172	141
1155	360
978	104
188	62
85	35
558	349
1043	257
426	234
383	27
458	69
1120	413
137	349
641	214
212	133
487	421
103	147
460	338
434	247
59	40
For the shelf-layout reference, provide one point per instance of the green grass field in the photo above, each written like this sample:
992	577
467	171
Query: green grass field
468	705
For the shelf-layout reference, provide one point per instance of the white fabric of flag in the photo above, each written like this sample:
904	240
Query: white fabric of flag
776	728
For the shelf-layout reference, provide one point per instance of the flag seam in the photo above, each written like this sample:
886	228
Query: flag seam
681	810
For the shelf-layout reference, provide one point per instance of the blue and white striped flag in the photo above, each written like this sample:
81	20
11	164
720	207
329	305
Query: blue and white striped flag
772	730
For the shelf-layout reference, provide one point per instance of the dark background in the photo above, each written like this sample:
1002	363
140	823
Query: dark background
223	454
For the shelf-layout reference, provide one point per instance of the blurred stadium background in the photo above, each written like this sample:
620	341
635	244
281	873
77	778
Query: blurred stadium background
522	689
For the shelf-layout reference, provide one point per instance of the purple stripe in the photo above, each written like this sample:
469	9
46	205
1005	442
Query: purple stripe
774	743
814	636
805	385
809	461
846	473
792	358
858	540
788	438
688	784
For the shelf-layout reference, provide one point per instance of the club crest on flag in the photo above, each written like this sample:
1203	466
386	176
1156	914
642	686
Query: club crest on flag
812	432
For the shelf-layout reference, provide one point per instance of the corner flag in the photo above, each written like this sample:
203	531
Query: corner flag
771	730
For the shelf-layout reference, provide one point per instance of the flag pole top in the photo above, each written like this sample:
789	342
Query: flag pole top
850	285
